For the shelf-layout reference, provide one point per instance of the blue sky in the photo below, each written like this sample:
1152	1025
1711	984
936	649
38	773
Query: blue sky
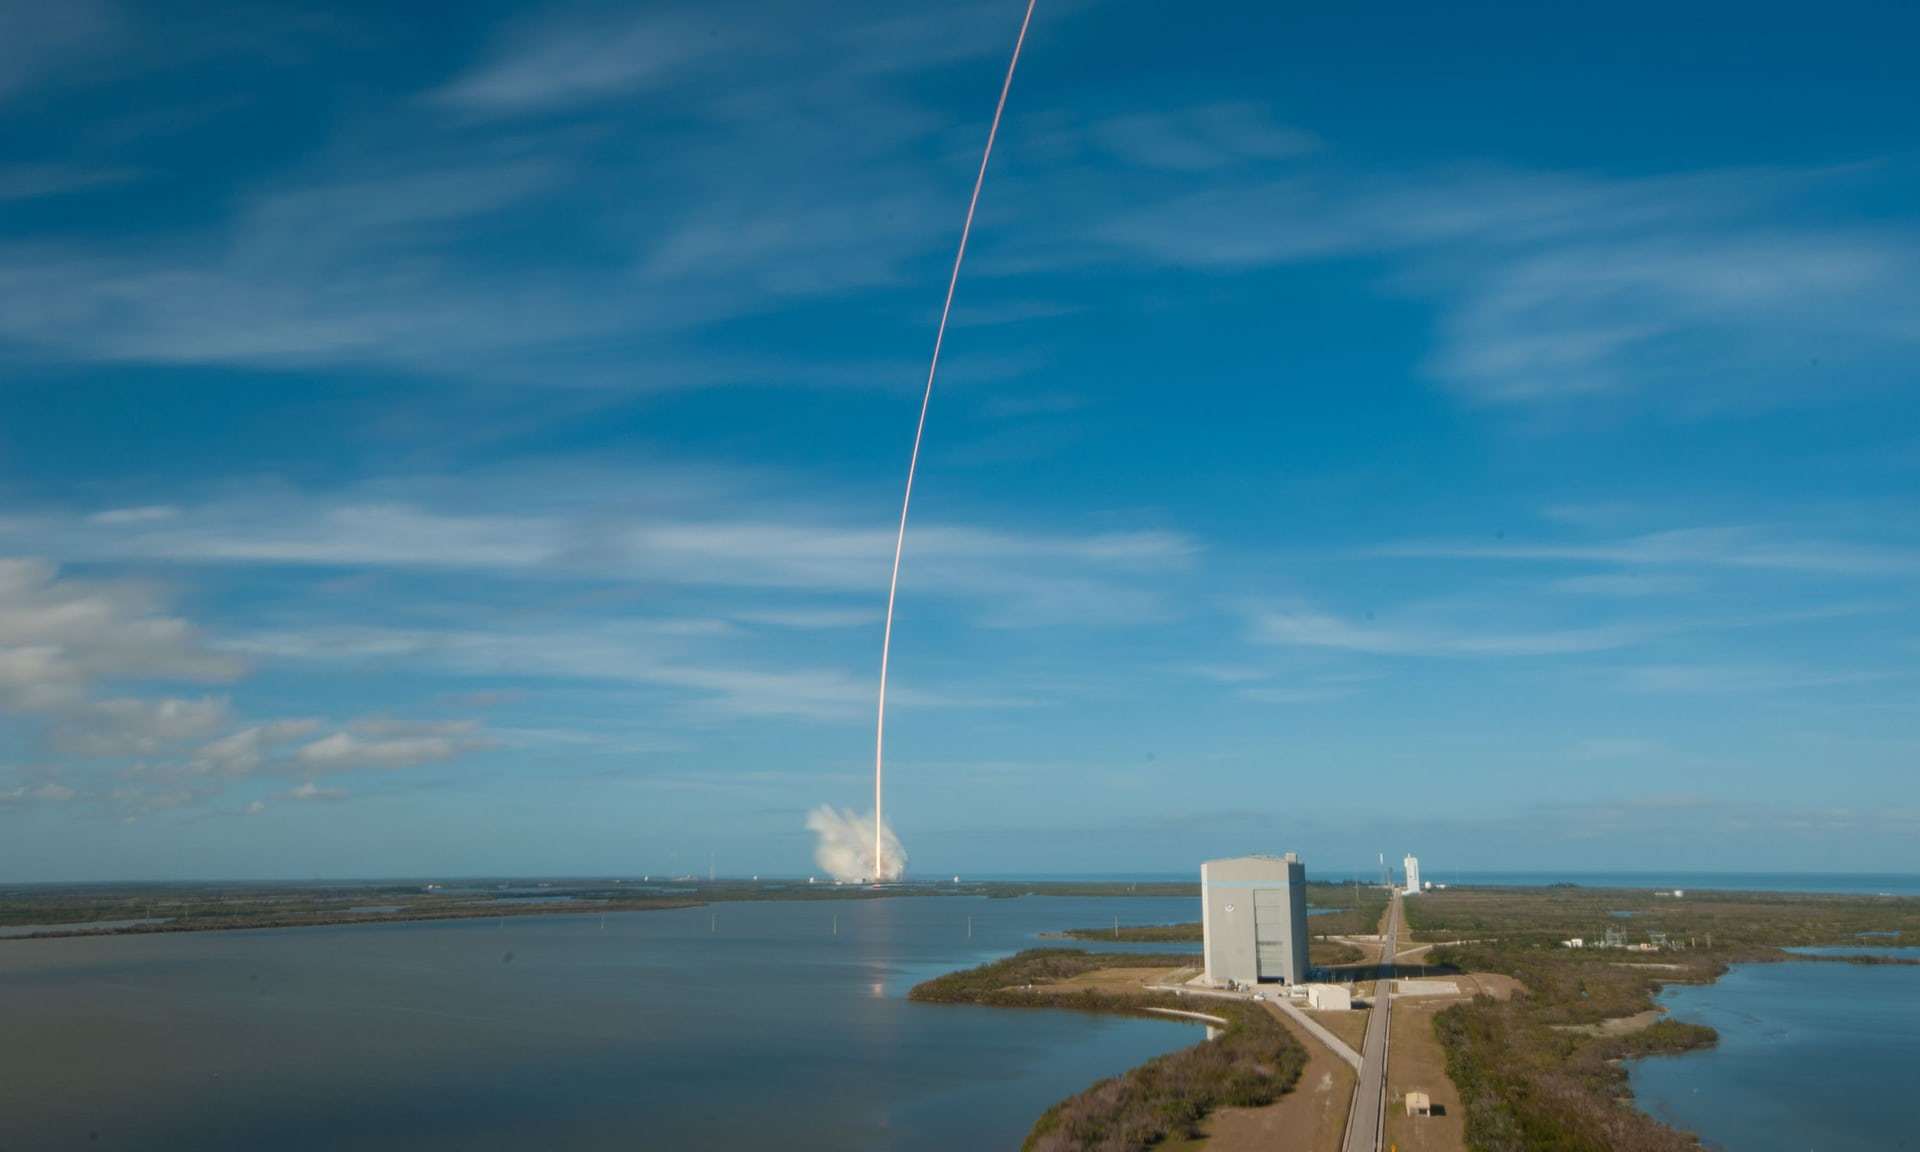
469	441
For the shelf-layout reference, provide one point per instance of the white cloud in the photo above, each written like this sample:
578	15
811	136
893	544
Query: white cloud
1733	679
387	744
37	181
132	727
1554	286
145	514
1202	138
247	750
310	791
663	527
48	792
42	39
1309	628
61	636
811	619
1736	546
565	63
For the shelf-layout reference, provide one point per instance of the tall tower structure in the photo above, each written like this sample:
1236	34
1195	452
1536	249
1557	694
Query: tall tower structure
1254	918
1412	864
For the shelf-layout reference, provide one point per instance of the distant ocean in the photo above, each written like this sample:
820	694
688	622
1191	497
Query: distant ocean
1859	883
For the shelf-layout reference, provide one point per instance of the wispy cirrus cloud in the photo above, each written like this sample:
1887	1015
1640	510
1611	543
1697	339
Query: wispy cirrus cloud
41	39
1306	627
1739	679
1738	547
385	744
1204	138
1554	286
38	181
703	680
557	61
689	533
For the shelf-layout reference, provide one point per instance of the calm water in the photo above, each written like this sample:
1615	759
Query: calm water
743	1026
1812	1057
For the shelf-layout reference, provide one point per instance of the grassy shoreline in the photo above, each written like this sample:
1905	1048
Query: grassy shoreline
1541	1071
1253	1061
68	910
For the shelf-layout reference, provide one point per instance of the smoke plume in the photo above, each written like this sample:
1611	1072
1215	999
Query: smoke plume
844	849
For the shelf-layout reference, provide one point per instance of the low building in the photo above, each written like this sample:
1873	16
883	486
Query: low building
1418	1104
1253	914
1330	997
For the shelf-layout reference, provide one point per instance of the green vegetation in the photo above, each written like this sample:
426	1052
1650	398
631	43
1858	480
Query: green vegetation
203	907
1253	1061
1359	909
210	907
1010	983
1142	933
1529	1086
1340	910
1320	952
1534	1072
1735	925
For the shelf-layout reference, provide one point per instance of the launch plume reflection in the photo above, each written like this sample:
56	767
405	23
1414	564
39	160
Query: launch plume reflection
844	845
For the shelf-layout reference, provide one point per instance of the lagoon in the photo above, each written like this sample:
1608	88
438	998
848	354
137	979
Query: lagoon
742	1025
1812	1057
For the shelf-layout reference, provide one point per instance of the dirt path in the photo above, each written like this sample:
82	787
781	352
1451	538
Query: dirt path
1307	1119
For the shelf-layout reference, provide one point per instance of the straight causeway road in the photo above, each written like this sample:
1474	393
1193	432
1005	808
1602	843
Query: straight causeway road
1367	1120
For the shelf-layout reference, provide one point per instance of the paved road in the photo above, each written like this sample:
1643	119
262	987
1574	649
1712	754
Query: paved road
1367	1120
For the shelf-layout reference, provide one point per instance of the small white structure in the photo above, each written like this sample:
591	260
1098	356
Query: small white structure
1253	913
1329	998
1576	942
1412	864
1419	1104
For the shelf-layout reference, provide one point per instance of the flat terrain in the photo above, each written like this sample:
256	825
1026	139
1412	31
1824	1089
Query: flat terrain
1308	1119
115	909
1349	1026
1536	1040
1420	1065
1253	1061
1122	980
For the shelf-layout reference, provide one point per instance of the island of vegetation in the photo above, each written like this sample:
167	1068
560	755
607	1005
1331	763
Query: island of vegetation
1337	910
1252	1061
42	910
1542	1069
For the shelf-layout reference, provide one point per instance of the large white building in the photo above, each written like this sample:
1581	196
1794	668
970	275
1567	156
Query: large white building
1254	914
1412	864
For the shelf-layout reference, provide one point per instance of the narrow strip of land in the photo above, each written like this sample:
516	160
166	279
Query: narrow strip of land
1366	1121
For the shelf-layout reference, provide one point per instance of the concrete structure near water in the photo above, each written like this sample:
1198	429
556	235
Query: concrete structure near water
1412	864
1253	913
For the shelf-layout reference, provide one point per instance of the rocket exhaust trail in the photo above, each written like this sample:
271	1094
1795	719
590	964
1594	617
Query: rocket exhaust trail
913	461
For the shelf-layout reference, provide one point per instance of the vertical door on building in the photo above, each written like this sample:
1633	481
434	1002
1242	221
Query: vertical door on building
1272	924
